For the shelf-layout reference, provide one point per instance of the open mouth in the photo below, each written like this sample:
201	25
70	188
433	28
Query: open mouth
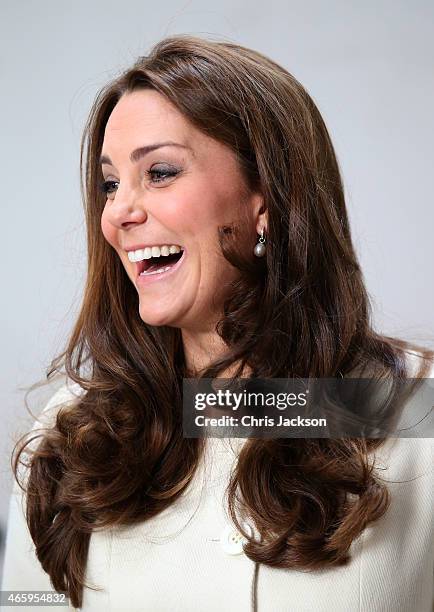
158	265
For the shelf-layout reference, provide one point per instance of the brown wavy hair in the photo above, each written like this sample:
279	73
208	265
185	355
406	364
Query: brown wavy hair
116	455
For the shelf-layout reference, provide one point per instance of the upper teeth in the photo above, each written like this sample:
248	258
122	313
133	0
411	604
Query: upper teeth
154	251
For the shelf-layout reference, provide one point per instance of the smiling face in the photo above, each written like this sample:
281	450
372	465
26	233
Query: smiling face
172	195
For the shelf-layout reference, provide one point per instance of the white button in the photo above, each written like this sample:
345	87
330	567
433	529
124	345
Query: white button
232	540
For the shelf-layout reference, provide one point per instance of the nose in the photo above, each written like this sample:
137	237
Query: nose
125	210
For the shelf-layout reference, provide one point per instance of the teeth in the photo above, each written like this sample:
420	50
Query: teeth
155	271
155	251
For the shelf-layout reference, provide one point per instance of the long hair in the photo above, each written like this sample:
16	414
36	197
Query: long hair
117	455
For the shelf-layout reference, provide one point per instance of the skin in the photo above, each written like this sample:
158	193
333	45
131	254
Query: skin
186	209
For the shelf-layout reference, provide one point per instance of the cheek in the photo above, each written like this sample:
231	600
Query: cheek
198	207
109	232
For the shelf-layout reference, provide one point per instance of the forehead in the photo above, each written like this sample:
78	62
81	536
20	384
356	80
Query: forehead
148	115
144	117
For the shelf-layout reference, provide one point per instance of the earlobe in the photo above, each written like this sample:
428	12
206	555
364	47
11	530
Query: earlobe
262	221
261	214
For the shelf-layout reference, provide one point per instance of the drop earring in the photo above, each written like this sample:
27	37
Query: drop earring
259	249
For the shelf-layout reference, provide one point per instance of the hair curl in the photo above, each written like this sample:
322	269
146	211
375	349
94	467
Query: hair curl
117	455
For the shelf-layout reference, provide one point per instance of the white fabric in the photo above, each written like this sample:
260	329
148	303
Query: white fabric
187	558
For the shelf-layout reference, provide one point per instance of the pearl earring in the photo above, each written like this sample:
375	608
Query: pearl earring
259	249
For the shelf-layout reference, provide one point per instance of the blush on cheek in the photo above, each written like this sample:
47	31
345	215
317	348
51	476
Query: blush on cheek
108	231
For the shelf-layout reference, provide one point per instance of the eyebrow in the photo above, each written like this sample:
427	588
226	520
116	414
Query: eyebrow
137	154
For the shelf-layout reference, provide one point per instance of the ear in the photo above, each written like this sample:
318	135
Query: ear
260	213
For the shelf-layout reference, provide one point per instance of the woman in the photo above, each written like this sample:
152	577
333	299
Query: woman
218	246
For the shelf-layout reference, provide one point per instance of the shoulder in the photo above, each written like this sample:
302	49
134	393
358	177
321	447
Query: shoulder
404	458
66	394
21	567
414	359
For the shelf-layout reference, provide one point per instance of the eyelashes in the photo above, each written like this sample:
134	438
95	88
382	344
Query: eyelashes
107	187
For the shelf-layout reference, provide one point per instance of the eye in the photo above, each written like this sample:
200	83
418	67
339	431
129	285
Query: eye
161	174
107	186
157	175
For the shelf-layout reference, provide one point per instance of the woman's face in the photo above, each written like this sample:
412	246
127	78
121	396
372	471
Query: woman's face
172	195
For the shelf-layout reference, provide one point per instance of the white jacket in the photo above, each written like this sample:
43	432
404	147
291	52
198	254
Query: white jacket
189	558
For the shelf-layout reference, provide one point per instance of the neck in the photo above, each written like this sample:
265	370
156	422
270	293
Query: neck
202	348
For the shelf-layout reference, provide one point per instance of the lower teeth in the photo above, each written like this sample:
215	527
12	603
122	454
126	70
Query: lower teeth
144	273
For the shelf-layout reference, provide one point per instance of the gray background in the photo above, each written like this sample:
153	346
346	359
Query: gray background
369	67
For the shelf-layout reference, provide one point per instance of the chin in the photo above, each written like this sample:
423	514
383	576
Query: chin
158	317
